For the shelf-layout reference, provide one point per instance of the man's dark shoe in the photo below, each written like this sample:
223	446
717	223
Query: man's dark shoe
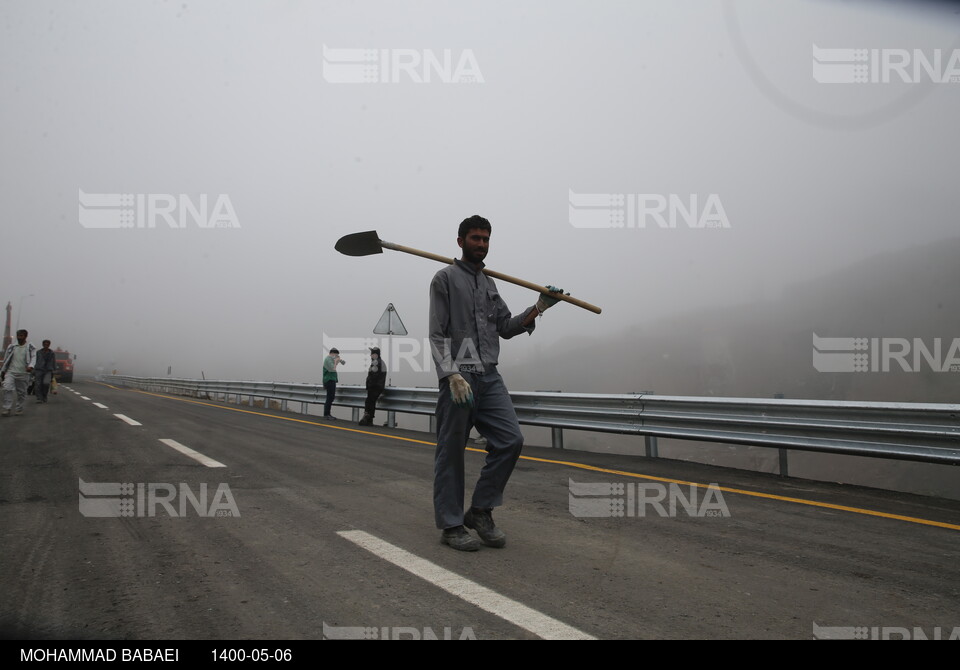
458	538
481	520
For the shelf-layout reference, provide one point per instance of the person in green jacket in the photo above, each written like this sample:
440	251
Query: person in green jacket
330	380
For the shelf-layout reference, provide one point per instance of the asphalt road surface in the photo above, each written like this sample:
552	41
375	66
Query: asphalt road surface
189	519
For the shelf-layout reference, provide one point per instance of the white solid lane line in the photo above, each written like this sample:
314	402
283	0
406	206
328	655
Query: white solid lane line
196	455
128	420
484	598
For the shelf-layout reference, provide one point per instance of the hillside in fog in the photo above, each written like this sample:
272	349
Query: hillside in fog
759	349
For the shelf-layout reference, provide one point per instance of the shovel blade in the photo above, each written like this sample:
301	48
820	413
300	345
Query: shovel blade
359	244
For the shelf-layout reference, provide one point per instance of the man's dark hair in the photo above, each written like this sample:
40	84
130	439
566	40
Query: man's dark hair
475	222
22	331
46	342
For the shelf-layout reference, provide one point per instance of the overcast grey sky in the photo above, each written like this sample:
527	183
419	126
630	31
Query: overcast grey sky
235	99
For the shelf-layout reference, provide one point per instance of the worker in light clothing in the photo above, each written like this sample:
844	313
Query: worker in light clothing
15	372
467	319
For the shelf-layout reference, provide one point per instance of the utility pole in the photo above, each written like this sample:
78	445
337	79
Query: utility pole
7	339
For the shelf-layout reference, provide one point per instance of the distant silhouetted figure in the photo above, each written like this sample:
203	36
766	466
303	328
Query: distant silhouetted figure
43	371
376	381
15	372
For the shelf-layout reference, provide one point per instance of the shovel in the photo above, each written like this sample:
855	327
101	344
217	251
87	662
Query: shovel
368	242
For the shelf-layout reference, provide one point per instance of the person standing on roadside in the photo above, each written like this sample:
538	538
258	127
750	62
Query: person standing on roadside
330	379
376	382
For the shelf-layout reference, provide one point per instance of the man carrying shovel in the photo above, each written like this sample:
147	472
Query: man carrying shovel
467	319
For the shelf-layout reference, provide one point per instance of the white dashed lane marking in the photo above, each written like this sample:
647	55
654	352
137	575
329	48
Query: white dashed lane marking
128	420
484	598
196	455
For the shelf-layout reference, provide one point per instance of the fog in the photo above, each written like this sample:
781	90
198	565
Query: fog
543	102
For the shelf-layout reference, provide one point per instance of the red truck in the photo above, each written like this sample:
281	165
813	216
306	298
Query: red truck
64	362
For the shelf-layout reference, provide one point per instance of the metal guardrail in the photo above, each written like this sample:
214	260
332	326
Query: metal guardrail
904	431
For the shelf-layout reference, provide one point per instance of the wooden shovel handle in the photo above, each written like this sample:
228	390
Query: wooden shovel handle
496	275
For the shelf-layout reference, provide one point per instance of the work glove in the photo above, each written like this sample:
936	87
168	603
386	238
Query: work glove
460	391
545	302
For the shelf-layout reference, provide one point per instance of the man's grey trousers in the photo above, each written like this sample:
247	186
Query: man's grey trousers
494	417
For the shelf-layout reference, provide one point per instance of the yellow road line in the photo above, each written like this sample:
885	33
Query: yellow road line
274	416
755	494
592	468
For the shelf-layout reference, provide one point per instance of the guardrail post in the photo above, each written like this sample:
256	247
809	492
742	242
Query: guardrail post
650	446
391	419
557	438
283	405
354	414
433	424
783	452
251	401
303	408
